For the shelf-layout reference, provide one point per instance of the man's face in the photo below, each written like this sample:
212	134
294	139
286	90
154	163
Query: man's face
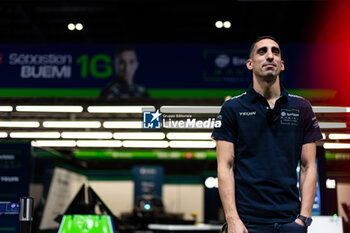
127	64
266	59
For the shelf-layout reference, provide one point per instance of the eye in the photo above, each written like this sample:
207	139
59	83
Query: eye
276	50
262	50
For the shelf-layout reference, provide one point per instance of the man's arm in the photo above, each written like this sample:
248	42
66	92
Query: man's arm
307	179
225	158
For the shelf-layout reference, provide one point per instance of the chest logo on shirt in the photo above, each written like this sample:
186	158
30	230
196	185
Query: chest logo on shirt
247	113
289	116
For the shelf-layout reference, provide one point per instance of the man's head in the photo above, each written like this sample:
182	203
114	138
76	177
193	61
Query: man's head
126	63
265	58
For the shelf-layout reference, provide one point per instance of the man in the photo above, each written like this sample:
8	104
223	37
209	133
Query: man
264	133
123	85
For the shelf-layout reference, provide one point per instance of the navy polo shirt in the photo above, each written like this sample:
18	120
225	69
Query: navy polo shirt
267	147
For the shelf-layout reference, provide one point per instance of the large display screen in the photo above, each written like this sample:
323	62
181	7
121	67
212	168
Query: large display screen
86	224
158	71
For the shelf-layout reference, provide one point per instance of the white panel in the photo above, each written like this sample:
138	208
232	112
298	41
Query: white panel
326	224
184	199
64	187
117	195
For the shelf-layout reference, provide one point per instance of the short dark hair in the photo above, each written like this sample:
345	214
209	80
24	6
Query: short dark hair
259	39
123	49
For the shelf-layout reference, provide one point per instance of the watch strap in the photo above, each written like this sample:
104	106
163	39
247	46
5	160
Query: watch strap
307	221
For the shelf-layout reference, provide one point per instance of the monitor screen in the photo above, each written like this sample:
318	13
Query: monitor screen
86	224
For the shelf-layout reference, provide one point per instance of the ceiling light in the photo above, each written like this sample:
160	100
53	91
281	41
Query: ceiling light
34	135
6	109
120	109
22	124
332	125
54	143
219	24
227	24
338	136
336	145
99	143
71	26
323	136
79	26
192	144
138	135
123	124
72	124
3	135
146	144
49	108
188	136
92	135
190	109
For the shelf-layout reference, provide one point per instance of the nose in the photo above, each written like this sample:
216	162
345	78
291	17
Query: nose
269	55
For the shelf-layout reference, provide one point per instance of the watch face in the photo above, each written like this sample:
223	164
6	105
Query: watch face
308	221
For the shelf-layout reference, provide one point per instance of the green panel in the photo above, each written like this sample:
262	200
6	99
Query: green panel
155	93
337	156
166	155
127	175
49	92
193	93
7	195
108	175
7	229
86	223
323	94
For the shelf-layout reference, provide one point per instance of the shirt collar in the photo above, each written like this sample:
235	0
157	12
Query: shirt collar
253	95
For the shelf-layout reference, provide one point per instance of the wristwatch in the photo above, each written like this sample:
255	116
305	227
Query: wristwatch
305	220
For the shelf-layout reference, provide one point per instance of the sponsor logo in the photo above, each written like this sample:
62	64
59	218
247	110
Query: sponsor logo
157	120
247	113
192	123
289	117
152	120
222	60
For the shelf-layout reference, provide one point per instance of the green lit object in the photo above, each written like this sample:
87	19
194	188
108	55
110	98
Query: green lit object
102	70
165	155
86	224
335	215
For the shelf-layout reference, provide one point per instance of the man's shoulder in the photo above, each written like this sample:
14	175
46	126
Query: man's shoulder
298	100
233	103
237	98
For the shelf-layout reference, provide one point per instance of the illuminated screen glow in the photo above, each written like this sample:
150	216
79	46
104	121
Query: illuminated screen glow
329	63
86	224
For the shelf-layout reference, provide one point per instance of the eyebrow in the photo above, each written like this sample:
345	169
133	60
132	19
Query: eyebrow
274	48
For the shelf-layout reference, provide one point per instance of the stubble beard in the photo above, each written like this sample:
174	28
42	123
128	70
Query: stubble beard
269	77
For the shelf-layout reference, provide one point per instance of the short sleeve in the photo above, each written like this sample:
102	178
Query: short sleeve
311	130
224	128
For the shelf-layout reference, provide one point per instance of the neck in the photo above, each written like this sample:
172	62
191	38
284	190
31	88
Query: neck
126	81
269	88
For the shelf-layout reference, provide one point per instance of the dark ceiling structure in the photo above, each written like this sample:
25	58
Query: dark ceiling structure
156	21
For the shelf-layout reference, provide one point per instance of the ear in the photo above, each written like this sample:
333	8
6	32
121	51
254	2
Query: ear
249	64
282	65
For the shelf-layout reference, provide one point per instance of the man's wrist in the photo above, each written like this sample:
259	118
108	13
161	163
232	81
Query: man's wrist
233	219
307	220
300	222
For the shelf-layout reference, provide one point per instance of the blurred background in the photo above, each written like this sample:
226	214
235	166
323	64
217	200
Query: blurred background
93	93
